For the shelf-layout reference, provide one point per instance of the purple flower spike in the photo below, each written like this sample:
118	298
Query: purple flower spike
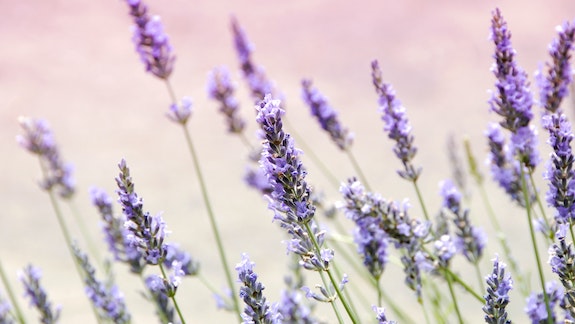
181	112
221	89
293	310
396	124
258	82
499	284
257	308
30	277
152	43
38	139
536	309
326	116
560	174
555	85
147	232
108	300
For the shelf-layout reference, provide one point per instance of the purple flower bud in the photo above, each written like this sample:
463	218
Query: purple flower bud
498	286
181	112
30	277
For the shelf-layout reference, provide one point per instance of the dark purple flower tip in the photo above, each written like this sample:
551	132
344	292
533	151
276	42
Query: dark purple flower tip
451	196
326	116
152	43
380	315
181	112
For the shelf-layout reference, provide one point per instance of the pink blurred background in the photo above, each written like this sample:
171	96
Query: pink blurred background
73	63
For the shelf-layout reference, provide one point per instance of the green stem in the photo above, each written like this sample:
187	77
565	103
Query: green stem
357	169
173	297
479	278
420	198
11	296
541	208
214	226
85	233
453	297
534	243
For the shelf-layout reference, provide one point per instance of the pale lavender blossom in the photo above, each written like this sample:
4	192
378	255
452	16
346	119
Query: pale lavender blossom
221	89
146	232
164	307
257	309
30	277
536	309
559	173
257	179
38	139
396	124
151	41
561	260
255	76
175	256
380	315
372	245
499	284
554	85
445	249
181	111
326	116
293	310
108	300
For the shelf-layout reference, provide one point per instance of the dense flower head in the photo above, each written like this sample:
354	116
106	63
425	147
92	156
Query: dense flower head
499	284
151	41
255	75
221	89
326	116
396	125
451	196
505	170
30	277
293	310
554	85
559	173
372	243
562	262
107	299
146	232
257	308
536	308
38	139
181	111
512	99
445	249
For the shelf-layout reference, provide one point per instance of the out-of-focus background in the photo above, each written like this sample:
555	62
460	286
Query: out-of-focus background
73	63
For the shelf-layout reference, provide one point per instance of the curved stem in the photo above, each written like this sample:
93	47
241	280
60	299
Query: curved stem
420	198
453	297
11	296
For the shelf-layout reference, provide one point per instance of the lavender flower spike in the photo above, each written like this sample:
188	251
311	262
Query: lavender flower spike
498	286
30	277
38	139
147	232
152	43
555	85
560	174
257	308
326	116
396	124
108	300
380	315
221	89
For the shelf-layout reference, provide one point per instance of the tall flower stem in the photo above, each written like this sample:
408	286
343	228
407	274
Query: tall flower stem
208	204
173	297
11	296
213	223
453	297
479	278
334	282
420	198
535	249
85	233
541	208
357	168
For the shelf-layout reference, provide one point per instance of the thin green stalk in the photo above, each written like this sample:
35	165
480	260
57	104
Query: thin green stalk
535	249
420	301
214	226
541	208
85	233
479	277
334	283
453	297
207	203
173	297
11	296
465	286
420	198
357	168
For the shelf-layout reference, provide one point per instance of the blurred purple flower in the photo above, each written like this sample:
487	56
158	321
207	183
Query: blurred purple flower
221	89
380	315
30	278
536	309
180	112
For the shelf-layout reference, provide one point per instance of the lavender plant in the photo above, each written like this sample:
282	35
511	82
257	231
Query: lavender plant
381	233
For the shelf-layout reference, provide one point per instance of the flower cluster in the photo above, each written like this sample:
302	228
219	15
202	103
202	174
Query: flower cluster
326	116
536	308
107	299
152	43
396	124
221	89
38	139
146	232
30	277
257	309
180	112
499	284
